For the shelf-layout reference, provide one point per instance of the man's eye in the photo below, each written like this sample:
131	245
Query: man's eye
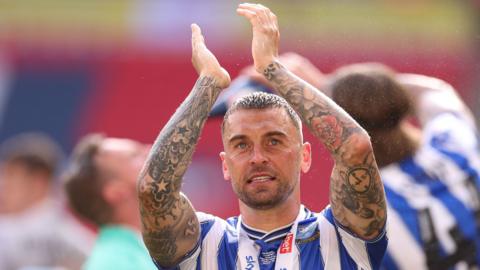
241	145
274	142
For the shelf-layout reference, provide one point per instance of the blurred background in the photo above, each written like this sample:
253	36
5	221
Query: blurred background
68	68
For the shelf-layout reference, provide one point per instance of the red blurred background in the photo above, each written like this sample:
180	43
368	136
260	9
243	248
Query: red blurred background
122	67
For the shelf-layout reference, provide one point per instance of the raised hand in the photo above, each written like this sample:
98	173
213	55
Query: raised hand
298	65
356	191
266	35
205	63
170	226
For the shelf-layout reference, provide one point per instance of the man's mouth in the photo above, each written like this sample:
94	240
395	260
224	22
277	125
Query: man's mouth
260	179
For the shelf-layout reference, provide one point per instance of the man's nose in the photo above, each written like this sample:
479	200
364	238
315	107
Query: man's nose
258	155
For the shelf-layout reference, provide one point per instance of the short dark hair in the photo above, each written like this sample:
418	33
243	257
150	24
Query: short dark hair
36	152
371	95
84	182
260	101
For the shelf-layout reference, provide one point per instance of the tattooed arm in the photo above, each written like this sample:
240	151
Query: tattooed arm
356	191
169	225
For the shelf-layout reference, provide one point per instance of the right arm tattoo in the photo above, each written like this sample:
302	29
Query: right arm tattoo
356	191
169	225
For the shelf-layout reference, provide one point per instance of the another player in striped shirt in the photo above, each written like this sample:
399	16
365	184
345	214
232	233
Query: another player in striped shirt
431	175
264	157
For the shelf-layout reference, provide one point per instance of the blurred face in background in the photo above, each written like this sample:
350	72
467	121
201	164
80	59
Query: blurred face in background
21	188
120	162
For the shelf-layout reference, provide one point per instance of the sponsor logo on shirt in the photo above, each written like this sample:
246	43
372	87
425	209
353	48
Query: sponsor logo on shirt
286	246
250	262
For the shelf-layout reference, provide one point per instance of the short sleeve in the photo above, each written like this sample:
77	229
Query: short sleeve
351	251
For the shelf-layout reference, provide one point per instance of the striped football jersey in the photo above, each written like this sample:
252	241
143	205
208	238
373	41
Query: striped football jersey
320	242
434	200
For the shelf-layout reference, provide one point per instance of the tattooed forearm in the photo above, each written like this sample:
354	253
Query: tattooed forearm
170	227
356	195
165	240
169	239
327	121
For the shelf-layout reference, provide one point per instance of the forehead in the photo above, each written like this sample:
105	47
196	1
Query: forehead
9	168
115	152
116	144
258	121
118	148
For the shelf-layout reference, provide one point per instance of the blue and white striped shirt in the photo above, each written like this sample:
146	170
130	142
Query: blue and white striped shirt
434	200
320	242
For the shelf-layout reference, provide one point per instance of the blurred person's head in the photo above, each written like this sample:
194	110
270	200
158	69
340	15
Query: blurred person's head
28	164
101	179
372	96
264	153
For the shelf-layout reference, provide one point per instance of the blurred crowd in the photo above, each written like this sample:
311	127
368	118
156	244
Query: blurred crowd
37	229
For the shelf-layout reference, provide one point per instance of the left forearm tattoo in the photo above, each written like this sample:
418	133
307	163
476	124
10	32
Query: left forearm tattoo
357	195
327	121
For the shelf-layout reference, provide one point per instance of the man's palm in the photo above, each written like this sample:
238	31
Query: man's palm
205	63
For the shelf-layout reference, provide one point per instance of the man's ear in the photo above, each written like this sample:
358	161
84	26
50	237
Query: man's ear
306	157
226	174
111	191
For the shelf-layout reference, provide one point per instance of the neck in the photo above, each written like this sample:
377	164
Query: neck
270	219
128	217
394	145
126	223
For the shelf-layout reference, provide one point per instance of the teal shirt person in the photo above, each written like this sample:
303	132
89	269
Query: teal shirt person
119	248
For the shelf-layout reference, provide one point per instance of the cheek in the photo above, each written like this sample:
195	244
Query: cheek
291	162
285	153
15	189
231	166
130	171
15	184
239	155
138	162
236	168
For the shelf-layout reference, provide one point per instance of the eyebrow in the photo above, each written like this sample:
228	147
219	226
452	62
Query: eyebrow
236	138
275	133
268	134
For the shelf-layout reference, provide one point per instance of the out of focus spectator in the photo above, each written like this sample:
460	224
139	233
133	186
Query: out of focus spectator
35	228
101	186
431	173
